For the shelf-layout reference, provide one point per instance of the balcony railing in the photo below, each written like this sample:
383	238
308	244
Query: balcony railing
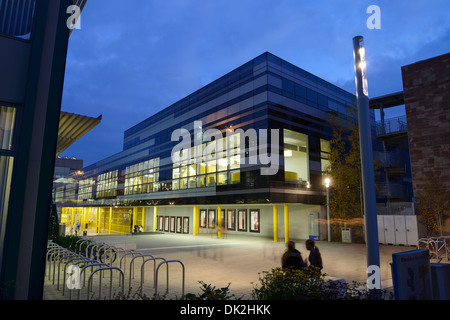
392	125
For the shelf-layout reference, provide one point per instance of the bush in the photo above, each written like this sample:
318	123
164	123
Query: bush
304	284
310	284
68	242
211	293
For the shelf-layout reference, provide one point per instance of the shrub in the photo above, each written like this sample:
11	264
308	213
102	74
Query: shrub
211	293
304	284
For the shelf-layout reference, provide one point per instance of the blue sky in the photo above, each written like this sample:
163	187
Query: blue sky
132	58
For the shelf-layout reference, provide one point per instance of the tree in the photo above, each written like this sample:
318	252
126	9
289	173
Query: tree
345	169
433	203
345	172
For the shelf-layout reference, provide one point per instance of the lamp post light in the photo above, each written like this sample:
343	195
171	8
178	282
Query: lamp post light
365	138
327	185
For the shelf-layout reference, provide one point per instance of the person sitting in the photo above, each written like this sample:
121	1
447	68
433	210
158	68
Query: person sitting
315	258
292	258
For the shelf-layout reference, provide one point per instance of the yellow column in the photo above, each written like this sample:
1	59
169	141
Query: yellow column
109	222
83	220
219	221
286	223
195	220
155	219
144	212
134	218
275	223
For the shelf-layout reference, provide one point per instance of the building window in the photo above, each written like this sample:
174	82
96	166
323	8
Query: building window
231	216
254	220
6	168
208	170
202	218
144	177
7	121
107	184
296	156
324	155
242	220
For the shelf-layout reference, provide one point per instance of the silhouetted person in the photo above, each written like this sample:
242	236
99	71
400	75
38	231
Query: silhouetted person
292	258
315	258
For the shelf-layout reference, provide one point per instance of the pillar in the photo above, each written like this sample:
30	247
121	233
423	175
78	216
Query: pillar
195	220
219	221
134	219
109	221
155	218
83	220
275	223
286	223
144	213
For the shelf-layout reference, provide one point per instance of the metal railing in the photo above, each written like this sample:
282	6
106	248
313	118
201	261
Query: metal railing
392	125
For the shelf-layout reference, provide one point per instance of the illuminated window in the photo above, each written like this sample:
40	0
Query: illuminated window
296	157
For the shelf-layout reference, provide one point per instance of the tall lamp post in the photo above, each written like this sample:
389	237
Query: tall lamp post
367	170
327	185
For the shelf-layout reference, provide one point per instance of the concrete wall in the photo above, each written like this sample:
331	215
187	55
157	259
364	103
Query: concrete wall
426	87
299	223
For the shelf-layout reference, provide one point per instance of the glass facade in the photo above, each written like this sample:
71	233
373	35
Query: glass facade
8	115
16	18
215	165
7	121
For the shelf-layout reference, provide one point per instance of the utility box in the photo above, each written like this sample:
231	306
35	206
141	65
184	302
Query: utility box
346	235
440	280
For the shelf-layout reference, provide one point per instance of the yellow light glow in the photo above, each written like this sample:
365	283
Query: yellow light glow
288	153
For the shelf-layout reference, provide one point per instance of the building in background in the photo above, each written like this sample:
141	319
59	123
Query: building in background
288	110
414	148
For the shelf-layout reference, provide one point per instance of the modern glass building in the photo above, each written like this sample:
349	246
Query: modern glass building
244	154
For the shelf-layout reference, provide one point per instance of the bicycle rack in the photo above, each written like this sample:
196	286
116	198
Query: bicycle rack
124	259
59	264
154	272
55	257
81	242
50	257
104	253
88	261
82	272
89	288
167	263
132	265
65	269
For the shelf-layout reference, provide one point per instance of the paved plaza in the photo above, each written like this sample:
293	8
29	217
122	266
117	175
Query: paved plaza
237	260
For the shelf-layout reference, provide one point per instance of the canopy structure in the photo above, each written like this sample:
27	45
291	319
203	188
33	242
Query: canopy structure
387	101
72	127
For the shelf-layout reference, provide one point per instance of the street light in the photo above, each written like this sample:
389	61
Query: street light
327	185
365	138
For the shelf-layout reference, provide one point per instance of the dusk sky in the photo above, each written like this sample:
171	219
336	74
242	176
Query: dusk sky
131	59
